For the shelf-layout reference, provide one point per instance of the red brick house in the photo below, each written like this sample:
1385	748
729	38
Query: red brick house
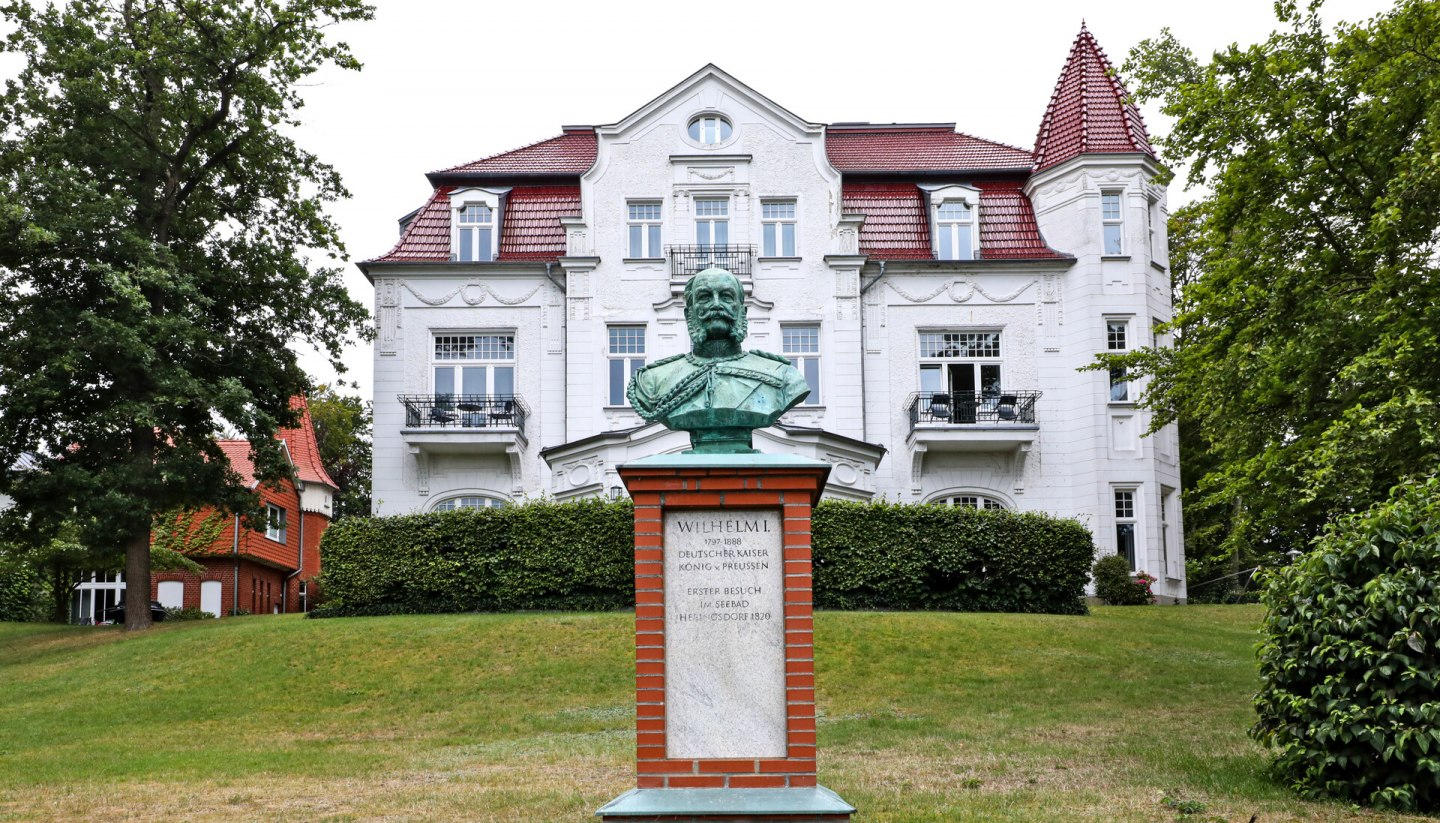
263	571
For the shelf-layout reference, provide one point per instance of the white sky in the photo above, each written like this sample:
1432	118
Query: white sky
448	81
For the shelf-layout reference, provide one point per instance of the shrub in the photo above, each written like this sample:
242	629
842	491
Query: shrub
1115	585
22	592
579	556
187	613
1349	669
898	556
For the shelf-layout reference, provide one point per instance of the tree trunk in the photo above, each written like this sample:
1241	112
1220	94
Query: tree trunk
60	594
137	581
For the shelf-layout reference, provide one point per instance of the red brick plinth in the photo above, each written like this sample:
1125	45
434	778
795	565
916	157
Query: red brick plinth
791	487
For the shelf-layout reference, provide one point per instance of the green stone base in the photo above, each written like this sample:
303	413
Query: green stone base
787	805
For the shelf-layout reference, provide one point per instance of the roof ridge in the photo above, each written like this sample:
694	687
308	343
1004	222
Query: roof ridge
561	136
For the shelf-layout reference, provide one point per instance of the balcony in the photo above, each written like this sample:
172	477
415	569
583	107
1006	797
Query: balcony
989	421
688	260
464	423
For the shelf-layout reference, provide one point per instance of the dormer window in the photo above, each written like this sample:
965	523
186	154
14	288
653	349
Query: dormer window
710	130
476	226
954	221
954	230
475	217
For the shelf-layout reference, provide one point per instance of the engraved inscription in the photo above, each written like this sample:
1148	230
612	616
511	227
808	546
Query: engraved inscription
724	634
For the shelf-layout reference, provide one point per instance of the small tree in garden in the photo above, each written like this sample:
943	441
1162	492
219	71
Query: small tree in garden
1350	676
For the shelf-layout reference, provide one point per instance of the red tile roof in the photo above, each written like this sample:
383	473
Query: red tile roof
922	147
427	236
304	448
532	229
571	153
1007	224
897	227
1090	111
238	453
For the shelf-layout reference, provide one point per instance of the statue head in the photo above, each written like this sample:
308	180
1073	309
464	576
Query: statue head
715	307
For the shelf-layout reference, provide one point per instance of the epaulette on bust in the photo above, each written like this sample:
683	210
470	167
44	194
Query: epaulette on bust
775	357
671	359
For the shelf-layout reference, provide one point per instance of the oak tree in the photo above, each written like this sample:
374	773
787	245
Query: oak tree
156	222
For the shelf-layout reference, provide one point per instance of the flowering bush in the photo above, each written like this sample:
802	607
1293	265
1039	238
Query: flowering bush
1115	585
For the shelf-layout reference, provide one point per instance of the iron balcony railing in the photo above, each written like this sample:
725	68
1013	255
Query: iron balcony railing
991	407
464	411
688	260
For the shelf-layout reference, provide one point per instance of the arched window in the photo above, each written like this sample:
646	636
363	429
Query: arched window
710	129
469	501
973	500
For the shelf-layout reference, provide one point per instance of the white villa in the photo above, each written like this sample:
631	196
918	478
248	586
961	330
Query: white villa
939	292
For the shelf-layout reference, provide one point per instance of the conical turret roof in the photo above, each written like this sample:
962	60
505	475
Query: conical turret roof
1090	111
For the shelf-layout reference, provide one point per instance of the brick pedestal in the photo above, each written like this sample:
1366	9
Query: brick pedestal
779	788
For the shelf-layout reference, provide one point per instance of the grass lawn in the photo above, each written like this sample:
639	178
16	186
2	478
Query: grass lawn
924	717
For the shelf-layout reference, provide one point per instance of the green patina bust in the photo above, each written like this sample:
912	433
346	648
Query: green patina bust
719	392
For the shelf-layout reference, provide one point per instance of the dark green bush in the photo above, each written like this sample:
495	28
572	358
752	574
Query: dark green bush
22	592
1116	587
579	556
897	556
1349	665
187	613
565	556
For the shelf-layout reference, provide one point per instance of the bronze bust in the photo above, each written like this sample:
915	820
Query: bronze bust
718	392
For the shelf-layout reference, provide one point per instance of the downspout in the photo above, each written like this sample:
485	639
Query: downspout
552	280
235	550
300	510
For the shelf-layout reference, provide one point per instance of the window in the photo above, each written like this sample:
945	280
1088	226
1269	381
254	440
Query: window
959	375
476	233
712	221
1111	223
1167	495
1125	524
627	356
954	231
644	225
710	130
777	228
275	523
472	501
474	365
1117	334
974	501
802	346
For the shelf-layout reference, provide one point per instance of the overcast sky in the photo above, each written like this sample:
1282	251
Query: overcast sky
448	81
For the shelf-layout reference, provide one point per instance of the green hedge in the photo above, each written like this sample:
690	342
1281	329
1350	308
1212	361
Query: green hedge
1349	699
579	556
906	557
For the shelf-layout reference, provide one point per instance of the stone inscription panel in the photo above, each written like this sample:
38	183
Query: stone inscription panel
724	634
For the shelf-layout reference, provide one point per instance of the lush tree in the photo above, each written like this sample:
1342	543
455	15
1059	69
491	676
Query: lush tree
1307	364
342	431
155	217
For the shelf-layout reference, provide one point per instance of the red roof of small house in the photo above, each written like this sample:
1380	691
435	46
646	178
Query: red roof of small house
571	153
304	447
897	227
917	148
1090	110
238	453
530	228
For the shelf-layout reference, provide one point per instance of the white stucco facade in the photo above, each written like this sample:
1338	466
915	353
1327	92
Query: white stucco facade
1042	435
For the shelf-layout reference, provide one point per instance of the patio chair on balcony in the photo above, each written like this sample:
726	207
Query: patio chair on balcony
442	412
1006	408
940	408
504	415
